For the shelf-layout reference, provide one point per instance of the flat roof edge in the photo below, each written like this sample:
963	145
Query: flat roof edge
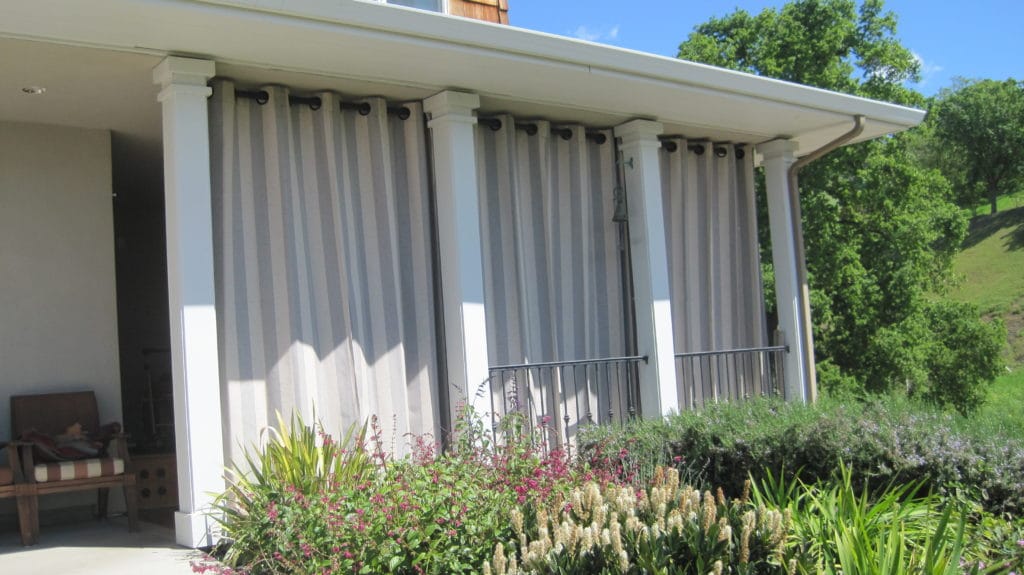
498	38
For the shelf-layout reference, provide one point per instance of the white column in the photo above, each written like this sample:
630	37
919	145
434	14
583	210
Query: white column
778	156
452	126
197	412
640	148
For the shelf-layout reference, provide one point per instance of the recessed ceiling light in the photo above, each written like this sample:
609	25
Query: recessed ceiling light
33	90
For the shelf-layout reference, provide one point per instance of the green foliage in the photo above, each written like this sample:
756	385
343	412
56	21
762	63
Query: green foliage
882	443
839	529
981	124
308	504
880	230
962	355
830	44
296	461
882	241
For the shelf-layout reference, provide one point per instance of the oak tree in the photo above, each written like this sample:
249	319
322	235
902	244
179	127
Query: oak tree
880	230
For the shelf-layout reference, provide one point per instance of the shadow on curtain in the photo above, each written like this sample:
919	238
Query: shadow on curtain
711	231
553	283
323	265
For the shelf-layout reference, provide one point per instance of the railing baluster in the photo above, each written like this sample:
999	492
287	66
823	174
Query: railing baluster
540	390
726	375
494	414
608	393
628	406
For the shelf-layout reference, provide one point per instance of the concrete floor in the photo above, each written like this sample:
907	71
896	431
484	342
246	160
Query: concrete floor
97	548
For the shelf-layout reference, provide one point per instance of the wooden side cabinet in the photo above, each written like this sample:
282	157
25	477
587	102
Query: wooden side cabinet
156	480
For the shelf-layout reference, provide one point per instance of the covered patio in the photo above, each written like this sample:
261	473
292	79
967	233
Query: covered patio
99	549
352	209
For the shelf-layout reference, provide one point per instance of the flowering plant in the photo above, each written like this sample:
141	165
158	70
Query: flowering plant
665	528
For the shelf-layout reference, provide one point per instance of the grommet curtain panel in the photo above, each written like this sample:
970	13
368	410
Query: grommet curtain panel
711	232
552	267
323	265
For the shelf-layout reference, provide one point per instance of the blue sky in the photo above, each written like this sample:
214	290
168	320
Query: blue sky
973	39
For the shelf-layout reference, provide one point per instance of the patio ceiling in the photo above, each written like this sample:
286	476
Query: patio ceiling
95	58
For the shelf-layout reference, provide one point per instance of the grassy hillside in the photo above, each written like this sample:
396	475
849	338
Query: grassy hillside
992	270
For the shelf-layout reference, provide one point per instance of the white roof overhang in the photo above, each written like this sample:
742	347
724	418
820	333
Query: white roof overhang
363	48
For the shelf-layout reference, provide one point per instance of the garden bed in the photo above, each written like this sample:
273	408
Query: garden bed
637	501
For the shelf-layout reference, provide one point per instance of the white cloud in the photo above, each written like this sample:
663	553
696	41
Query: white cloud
584	32
928	69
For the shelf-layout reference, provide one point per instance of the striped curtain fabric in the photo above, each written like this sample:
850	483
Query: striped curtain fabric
323	266
552	275
717	302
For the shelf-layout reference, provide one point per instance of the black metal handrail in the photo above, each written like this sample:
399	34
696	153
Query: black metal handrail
562	396
729	375
784	348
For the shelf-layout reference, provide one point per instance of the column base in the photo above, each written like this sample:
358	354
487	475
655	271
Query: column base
195	529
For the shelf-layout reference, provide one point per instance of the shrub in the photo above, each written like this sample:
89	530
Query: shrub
882	442
963	356
305	503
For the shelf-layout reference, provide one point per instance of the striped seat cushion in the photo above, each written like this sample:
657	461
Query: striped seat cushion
80	469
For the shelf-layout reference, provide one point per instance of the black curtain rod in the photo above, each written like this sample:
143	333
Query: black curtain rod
720	151
531	129
314	102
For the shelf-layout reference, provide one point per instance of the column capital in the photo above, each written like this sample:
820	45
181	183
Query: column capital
452	105
638	131
175	70
785	149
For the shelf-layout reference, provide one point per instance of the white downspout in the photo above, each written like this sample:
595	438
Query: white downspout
803	292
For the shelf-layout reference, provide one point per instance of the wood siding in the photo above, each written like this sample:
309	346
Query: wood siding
489	10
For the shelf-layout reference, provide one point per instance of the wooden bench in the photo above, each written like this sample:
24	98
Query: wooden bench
12	484
52	414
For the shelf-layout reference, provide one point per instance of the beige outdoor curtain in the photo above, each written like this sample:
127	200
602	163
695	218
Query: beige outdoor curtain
323	265
711	231
553	283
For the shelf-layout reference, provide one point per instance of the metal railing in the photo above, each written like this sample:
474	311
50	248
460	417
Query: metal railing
728	375
561	397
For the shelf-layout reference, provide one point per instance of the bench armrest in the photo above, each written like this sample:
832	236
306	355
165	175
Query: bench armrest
118	447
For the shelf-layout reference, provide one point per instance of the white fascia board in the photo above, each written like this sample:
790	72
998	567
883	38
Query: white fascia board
413	47
492	37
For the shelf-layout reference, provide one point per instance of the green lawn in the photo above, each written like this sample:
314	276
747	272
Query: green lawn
1003	412
992	263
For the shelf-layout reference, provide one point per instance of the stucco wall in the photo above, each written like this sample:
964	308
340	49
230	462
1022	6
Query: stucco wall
58	318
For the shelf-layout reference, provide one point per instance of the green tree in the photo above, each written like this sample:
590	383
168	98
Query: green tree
980	126
880	230
830	44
